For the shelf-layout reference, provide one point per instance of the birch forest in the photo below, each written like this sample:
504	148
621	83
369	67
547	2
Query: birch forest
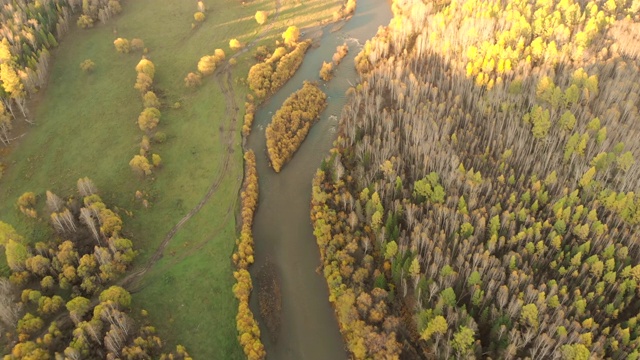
479	201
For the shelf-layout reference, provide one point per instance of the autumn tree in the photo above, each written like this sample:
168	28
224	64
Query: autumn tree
199	17
261	17
149	119
235	44
291	35
122	45
141	165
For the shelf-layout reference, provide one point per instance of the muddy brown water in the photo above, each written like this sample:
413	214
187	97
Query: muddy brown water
282	228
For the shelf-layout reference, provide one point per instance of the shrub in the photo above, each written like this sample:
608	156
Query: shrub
87	66
199	16
137	44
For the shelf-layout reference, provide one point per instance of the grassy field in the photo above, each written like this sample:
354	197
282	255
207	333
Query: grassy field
86	127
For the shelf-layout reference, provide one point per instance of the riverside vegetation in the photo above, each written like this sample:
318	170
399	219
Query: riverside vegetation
480	200
292	122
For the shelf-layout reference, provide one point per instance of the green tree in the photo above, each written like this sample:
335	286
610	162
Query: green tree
17	255
391	250
117	295
78	307
463	340
7	232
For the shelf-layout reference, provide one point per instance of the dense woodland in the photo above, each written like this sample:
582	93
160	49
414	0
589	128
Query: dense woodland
480	200
61	300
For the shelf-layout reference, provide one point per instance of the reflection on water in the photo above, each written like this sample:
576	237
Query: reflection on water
282	228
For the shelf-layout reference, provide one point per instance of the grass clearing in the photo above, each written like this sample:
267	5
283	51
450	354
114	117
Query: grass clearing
86	126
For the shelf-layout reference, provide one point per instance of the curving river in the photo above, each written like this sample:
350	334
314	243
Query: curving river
282	229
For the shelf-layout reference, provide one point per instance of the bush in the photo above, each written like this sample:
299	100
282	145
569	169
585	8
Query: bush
159	137
85	22
193	80
199	16
87	66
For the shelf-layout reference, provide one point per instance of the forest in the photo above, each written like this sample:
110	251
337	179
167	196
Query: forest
480	199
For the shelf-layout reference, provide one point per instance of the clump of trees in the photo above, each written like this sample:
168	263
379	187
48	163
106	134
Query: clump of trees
208	63
292	122
247	326
60	298
249	115
206	66
95	10
481	197
124	46
144	162
268	76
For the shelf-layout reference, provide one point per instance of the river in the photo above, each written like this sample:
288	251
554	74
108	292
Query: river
282	228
